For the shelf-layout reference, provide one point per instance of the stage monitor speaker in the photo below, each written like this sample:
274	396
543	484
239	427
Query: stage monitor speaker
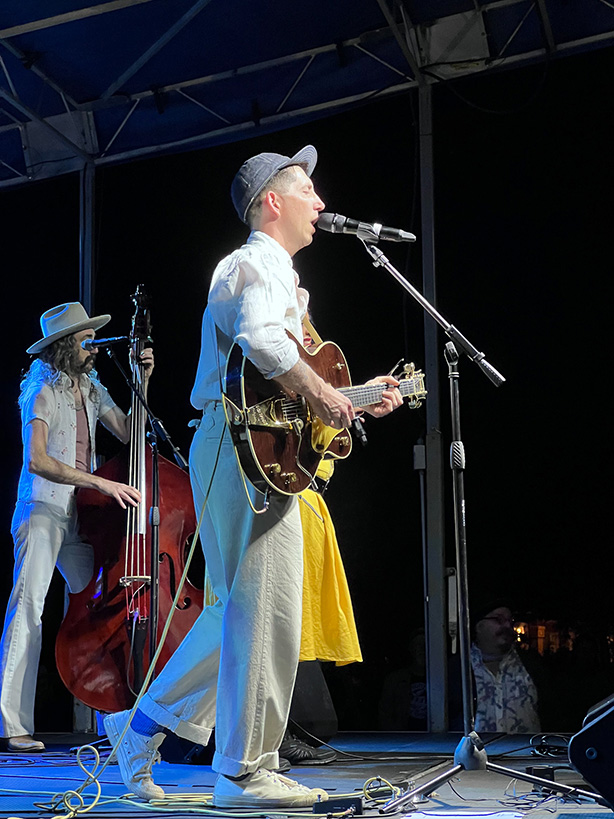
591	750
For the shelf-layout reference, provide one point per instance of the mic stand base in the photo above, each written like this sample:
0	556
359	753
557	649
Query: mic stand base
470	755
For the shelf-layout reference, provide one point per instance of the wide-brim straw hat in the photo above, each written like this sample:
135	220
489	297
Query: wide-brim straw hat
64	320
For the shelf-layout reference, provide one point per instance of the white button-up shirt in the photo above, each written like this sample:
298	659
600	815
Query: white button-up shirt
254	298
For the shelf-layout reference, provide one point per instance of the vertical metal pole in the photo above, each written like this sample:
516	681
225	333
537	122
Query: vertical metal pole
86	236
83	717
435	573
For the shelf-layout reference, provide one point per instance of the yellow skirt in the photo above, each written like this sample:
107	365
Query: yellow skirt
329	629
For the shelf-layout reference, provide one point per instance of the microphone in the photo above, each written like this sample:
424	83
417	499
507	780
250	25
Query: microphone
335	223
90	343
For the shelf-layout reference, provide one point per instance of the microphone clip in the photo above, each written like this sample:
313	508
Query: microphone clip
369	233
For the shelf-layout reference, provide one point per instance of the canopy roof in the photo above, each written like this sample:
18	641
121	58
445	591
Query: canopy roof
121	79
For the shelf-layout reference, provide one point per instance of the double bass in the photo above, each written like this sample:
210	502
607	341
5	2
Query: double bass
109	634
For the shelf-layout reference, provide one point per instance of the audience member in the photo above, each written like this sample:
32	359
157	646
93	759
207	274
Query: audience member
505	692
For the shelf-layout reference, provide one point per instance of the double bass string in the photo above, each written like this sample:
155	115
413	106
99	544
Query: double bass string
136	573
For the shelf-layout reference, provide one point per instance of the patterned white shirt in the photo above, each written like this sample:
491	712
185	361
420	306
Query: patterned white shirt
55	405
507	701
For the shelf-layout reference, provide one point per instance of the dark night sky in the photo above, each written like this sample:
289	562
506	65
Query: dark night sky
523	230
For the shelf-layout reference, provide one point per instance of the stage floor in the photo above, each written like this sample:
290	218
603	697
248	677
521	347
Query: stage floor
30	783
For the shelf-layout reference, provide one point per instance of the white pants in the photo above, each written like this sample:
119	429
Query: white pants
43	538
236	667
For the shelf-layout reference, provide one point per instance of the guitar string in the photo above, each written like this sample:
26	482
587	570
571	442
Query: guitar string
359	395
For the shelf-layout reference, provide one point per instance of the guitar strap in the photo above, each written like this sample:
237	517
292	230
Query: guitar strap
308	326
234	414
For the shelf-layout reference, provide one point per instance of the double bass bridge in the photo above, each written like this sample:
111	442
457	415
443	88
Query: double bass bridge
128	580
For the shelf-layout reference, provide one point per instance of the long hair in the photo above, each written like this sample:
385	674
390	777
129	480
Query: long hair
52	363
62	356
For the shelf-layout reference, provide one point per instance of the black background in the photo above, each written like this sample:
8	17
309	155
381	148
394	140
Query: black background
523	191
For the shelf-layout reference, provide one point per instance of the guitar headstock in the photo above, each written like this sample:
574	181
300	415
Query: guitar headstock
411	385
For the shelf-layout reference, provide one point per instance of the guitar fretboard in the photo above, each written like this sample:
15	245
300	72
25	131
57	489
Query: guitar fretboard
367	394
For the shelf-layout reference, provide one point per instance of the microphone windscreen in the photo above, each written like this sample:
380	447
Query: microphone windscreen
325	221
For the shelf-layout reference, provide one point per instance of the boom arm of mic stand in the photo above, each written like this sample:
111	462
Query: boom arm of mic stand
159	429
380	260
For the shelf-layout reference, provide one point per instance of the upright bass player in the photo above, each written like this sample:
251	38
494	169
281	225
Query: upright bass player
61	401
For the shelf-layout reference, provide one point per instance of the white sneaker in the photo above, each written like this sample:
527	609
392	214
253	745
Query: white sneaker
136	754
264	789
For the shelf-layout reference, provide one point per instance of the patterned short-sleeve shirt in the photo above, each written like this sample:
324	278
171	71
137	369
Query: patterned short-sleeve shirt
507	701
54	404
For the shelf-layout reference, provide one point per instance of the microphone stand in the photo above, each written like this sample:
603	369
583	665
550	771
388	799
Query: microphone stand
470	753
157	427
157	431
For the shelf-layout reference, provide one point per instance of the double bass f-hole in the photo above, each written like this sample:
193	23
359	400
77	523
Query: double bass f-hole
168	561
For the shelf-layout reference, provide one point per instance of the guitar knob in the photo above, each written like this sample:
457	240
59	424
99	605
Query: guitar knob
273	469
289	477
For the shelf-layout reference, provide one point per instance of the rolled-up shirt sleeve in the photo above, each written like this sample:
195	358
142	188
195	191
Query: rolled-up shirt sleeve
253	302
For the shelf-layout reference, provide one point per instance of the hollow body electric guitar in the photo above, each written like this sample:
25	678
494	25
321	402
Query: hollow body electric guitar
279	439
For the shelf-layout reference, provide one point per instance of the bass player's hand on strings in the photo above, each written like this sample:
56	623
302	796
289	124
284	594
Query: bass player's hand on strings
122	493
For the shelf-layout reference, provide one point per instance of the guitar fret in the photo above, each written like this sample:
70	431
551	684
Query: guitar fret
360	396
366	395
